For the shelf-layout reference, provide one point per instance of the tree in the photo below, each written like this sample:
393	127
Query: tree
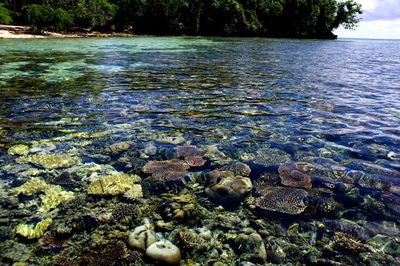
346	15
5	15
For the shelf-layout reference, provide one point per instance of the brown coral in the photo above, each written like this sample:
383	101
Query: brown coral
188	151
125	211
195	161
166	170
291	176
281	199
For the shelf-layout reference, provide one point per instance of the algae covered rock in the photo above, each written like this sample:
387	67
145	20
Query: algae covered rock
34	231
164	251
114	184
49	161
19	149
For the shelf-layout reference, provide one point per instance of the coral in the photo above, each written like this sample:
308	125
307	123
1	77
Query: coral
119	147
125	211
166	170
135	192
19	149
225	188
105	255
188	151
31	187
142	236
195	161
113	184
52	197
164	251
269	156
49	242
291	176
281	199
49	161
34	231
345	241
186	240
178	139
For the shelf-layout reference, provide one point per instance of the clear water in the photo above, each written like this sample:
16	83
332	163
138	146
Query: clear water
333	104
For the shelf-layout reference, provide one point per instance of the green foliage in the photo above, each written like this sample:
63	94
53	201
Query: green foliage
276	18
46	18
5	15
93	13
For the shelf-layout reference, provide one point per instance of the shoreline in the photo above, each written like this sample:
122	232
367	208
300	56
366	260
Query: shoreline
24	32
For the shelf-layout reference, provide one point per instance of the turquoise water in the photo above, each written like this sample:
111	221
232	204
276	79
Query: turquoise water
250	108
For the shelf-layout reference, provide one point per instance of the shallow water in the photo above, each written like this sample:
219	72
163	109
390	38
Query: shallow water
264	102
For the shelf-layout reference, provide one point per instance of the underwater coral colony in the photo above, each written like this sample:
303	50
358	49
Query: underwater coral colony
141	203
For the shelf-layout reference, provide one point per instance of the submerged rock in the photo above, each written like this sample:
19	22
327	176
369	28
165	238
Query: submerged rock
250	247
164	251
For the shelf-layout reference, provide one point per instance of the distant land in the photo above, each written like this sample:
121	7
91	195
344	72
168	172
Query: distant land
269	18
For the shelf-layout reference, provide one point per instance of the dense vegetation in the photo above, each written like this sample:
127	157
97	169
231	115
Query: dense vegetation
279	18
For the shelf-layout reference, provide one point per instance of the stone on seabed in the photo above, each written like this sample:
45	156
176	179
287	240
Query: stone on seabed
164	251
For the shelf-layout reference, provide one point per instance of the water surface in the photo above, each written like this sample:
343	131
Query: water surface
264	102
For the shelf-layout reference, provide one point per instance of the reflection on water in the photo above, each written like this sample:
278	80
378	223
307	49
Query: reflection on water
324	110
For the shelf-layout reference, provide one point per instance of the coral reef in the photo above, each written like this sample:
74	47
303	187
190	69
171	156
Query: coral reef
115	184
166	170
164	251
189	151
142	236
19	149
49	161
226	188
281	199
270	156
291	176
195	161
52	197
34	231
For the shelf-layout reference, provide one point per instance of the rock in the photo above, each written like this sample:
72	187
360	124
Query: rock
164	251
142	236
19	149
250	247
226	188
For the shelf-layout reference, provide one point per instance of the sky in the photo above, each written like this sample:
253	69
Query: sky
380	20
